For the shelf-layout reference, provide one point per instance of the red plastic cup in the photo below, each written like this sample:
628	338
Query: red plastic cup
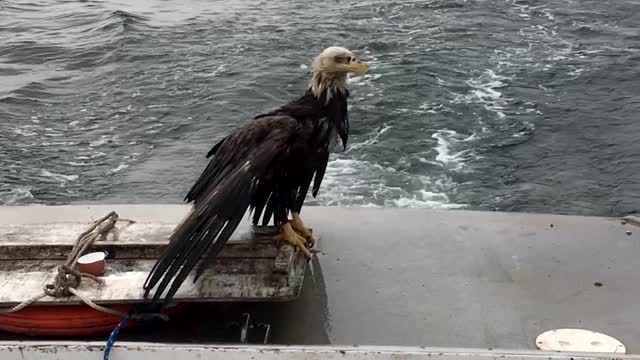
92	263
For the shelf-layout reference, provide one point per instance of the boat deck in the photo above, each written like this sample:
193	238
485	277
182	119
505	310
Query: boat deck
417	277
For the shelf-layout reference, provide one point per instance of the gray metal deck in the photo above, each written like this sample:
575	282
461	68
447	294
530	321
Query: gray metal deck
415	277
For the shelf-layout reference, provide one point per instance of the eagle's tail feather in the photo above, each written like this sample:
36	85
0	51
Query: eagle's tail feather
221	195
207	227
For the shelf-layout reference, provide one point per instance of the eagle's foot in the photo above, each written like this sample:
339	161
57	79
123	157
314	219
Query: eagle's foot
299	227
289	235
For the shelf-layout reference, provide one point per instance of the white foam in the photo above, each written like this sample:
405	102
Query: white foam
217	71
575	72
98	142
424	160
445	155
90	156
59	177
24	131
372	140
154	128
362	80
16	195
484	91
82	163
350	182
119	168
471	137
427	199
104	139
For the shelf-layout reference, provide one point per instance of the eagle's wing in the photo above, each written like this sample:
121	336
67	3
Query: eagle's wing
316	165
221	196
290	192
312	168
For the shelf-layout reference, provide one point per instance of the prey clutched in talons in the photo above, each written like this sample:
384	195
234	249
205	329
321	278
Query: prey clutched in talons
289	235
298	226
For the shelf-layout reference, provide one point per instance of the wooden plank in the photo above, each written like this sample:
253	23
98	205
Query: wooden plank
51	233
230	279
67	232
220	266
116	250
139	241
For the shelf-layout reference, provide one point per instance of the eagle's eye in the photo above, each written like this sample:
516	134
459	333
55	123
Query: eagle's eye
340	59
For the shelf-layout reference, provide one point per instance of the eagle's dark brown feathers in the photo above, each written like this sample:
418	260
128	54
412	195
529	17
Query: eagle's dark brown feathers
267	166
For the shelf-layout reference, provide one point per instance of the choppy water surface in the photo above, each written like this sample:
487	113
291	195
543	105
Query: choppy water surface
510	105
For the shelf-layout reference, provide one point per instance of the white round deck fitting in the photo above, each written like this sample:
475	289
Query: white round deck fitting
578	340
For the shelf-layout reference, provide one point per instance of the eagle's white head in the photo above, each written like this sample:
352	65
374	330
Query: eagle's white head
330	69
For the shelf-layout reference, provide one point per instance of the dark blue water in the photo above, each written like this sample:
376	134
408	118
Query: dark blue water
507	105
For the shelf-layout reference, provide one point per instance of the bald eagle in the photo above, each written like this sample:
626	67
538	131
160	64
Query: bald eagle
265	166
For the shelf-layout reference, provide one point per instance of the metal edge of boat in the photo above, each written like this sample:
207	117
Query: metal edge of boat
43	350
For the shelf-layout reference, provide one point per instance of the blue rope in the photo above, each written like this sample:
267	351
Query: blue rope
140	314
114	333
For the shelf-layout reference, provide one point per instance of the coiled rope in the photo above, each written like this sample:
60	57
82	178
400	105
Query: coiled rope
68	278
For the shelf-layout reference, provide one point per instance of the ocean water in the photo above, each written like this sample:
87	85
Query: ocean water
495	105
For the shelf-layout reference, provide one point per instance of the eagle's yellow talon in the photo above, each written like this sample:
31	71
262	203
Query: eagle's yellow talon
289	235
298	226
